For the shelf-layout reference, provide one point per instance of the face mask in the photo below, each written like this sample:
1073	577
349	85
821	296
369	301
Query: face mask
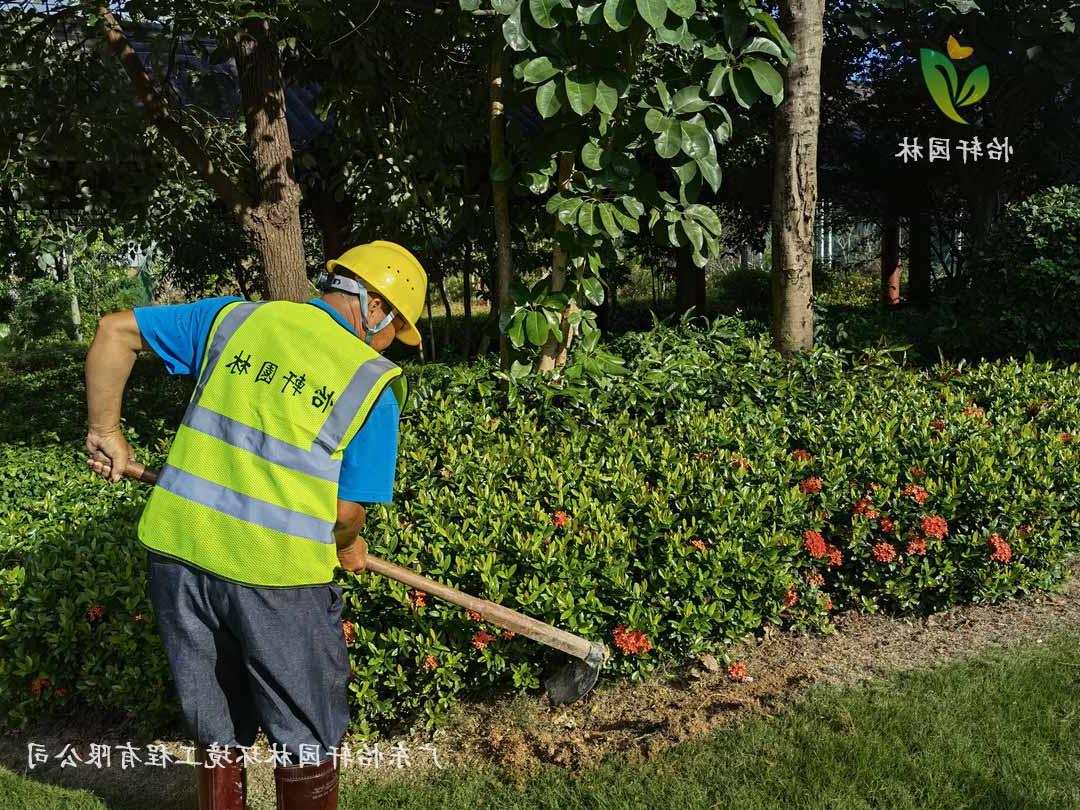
331	281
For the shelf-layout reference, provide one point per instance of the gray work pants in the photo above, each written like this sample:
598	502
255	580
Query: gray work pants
244	657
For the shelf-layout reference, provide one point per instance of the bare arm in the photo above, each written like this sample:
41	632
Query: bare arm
108	366
351	548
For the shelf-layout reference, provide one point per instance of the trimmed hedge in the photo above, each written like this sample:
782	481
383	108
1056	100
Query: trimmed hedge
714	490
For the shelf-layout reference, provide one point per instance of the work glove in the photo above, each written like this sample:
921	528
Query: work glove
107	453
353	557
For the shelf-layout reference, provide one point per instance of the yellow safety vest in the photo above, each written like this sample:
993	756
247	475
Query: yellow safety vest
249	491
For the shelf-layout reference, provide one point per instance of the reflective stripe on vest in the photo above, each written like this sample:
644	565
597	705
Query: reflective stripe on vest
238	500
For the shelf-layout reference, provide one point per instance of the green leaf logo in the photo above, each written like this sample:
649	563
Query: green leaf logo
944	84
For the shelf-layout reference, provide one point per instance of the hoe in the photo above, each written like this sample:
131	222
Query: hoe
569	683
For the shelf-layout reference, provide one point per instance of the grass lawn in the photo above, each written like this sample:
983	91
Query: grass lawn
996	731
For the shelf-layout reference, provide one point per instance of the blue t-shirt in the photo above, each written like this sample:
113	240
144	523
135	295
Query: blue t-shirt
177	333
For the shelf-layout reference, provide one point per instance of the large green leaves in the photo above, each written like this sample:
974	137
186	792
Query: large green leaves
684	8
542	12
618	14
654	12
540	70
580	91
669	141
767	77
514	31
536	327
547	99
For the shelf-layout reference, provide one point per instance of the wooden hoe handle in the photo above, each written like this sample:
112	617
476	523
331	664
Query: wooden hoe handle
503	617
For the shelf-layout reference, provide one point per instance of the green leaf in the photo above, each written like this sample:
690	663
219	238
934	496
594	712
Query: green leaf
536	327
684	8
540	70
688	100
516	330
607	217
568	211
607	95
633	206
766	76
714	86
591	15
665	96
580	91
744	87
542	12
555	202
763	45
654	120
619	14
653	11
975	86
593	289
686	172
505	7
553	322
626	222
514	31
469	5
591	153
590	339
519	370
941	80
696	140
693	232
764	19
669	141
706	216
710	170
586	219
672	36
547	99
557	301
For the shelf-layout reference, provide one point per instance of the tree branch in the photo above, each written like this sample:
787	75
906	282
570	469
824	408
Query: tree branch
227	191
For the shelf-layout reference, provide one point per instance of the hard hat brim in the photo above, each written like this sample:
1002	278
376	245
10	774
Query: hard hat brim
410	336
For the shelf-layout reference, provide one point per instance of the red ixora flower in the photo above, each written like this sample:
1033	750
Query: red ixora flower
1066	436
916	545
481	638
938	424
802	455
631	642
791	597
349	631
1002	551
61	692
915	491
417	598
560	519
431	662
737	671
884	552
815	578
474	615
865	508
973	410
508	634
935	526
815	544
887	525
38	685
836	559
94	613
740	462
917	472
698	544
810	485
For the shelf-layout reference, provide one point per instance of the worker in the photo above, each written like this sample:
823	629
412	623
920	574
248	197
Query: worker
291	428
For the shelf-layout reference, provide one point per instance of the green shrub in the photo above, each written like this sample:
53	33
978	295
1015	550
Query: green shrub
686	505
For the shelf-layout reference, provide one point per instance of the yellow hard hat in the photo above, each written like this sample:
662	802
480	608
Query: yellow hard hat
391	271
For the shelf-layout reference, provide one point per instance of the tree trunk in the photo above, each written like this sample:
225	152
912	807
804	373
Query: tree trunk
275	221
499	190
553	354
446	308
466	328
73	291
334	218
689	285
795	180
744	257
890	261
919	256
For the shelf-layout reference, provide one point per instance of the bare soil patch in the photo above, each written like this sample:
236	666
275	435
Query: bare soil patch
633	720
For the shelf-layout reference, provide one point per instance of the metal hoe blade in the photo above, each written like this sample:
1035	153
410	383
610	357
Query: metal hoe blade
575	680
